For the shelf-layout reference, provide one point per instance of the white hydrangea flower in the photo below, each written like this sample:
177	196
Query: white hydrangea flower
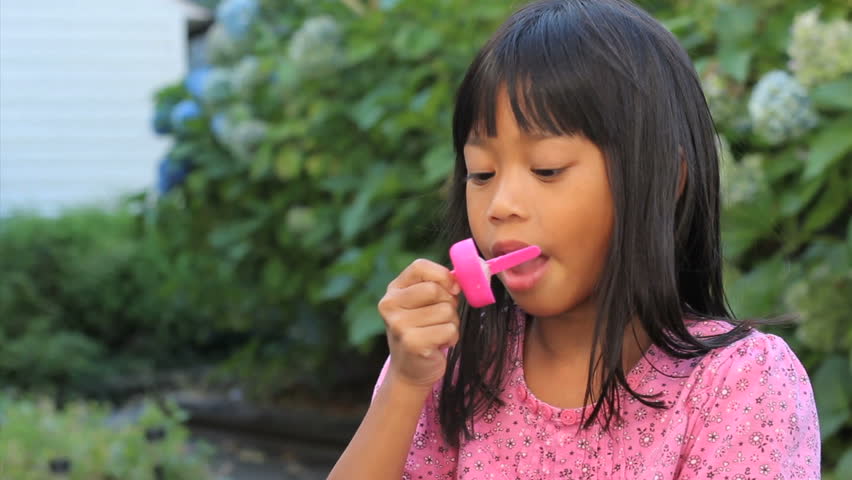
217	87
780	108
300	219
238	130
315	48
222	49
222	128
740	181
717	90
237	16
246	76
246	137
819	51
818	298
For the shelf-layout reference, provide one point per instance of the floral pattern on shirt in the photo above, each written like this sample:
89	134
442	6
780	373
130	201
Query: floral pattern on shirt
741	412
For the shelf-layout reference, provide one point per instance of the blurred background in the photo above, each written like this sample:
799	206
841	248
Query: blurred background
201	203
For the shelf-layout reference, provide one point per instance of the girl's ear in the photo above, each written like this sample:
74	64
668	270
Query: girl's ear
681	184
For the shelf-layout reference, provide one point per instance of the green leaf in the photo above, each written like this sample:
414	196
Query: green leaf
288	164
677	24
364	321
828	146
274	274
845	463
830	204
352	220
414	41
757	292
735	62
849	238
231	233
336	287
782	165
261	163
832	400
438	163
736	22
736	26
355	218
370	110
745	223
794	199
837	94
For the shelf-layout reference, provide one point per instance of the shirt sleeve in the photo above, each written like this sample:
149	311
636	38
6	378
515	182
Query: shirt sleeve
430	456
758	418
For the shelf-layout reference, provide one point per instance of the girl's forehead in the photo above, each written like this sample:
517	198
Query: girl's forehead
477	139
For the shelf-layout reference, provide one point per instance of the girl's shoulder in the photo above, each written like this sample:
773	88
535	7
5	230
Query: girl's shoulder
757	355
754	345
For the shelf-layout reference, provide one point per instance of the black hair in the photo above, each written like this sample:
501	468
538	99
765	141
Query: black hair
608	71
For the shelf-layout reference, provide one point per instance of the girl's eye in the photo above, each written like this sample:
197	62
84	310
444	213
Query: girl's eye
548	172
479	178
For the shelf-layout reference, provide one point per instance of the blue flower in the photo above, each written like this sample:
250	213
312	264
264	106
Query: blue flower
195	80
162	123
183	112
237	16
220	125
170	175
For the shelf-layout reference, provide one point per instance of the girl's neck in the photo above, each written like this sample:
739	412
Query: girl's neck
564	343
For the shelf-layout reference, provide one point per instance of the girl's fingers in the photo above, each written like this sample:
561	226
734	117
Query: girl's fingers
402	322
428	340
423	294
422	270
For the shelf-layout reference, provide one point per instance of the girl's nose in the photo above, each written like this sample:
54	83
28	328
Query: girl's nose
508	201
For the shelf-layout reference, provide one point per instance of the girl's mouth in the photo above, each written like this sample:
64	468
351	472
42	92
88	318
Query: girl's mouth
526	275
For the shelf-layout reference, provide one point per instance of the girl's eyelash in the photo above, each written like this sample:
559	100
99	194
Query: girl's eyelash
548	172
478	177
482	177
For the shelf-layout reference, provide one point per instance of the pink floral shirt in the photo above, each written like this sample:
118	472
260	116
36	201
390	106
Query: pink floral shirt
741	412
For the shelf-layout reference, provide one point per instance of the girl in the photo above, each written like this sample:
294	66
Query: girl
581	127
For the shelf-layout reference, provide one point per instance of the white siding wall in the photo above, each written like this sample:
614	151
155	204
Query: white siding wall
76	83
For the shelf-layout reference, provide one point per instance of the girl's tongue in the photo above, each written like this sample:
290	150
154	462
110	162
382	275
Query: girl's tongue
525	275
528	266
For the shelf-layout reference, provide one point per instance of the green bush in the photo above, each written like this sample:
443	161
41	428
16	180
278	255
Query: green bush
85	298
312	193
37	442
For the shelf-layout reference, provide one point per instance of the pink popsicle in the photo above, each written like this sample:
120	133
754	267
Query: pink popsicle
474	274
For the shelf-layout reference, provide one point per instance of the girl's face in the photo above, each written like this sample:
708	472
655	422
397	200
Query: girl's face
548	191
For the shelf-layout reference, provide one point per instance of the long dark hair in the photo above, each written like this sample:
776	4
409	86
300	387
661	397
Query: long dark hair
608	71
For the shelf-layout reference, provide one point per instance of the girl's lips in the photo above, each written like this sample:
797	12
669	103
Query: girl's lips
524	276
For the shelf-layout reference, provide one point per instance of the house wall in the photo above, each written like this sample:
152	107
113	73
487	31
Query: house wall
76	85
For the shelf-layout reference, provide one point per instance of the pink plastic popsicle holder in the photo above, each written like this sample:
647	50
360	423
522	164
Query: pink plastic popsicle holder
474	274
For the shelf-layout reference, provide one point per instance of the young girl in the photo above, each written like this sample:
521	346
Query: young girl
581	127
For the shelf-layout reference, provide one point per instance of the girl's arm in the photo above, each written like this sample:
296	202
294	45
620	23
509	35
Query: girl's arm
421	320
759	418
380	446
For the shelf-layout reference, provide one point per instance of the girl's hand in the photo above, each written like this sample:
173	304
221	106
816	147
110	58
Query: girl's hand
421	319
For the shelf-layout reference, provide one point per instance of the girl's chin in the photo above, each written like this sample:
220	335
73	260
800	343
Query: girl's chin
537	305
544	303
